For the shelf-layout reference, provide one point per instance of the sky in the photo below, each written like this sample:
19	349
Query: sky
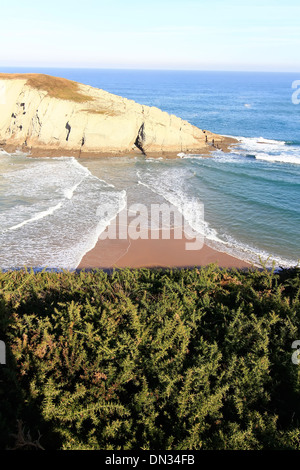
250	35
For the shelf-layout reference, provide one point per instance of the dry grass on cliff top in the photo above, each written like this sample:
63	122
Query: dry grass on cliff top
102	112
55	87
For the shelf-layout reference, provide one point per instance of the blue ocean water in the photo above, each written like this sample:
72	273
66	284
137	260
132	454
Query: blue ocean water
251	195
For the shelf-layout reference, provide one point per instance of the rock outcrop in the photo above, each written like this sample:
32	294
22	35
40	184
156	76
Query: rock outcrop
45	115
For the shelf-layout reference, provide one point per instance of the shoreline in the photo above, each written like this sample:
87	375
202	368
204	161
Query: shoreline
221	142
155	253
160	253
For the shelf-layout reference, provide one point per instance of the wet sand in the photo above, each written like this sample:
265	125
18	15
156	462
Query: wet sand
165	253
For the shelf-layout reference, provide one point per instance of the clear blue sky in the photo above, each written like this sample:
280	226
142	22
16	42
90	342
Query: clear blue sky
168	34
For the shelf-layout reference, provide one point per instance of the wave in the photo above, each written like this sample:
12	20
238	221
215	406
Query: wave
58	235
220	242
191	208
250	254
102	224
259	148
69	192
74	196
259	142
283	158
273	151
172	184
38	216
3	152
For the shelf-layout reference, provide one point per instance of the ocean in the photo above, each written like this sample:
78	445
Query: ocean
49	208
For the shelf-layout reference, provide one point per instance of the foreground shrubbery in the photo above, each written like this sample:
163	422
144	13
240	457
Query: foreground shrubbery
149	359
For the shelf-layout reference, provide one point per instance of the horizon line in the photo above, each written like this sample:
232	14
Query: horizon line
154	69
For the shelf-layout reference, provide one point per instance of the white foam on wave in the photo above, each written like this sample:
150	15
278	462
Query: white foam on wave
283	158
3	152
187	156
58	235
258	141
68	192
171	188
248	253
273	151
85	170
38	216
111	211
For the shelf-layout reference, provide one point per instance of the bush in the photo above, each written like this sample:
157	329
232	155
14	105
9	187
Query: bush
150	359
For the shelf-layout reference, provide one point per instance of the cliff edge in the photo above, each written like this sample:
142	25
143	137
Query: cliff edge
45	115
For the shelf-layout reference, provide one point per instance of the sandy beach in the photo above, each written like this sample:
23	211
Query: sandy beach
164	253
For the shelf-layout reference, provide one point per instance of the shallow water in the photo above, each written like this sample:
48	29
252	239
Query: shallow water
53	210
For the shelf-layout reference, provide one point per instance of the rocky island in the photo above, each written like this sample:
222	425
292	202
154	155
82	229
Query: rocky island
49	116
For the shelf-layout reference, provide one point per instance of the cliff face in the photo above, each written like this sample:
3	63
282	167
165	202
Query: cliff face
39	114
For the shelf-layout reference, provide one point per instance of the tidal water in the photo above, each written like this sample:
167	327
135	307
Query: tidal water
49	208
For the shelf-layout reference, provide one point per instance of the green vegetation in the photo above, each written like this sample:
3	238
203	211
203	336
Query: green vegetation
150	359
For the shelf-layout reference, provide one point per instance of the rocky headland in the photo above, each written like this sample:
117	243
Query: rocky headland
50	116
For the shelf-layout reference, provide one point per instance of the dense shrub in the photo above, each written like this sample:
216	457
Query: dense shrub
150	359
